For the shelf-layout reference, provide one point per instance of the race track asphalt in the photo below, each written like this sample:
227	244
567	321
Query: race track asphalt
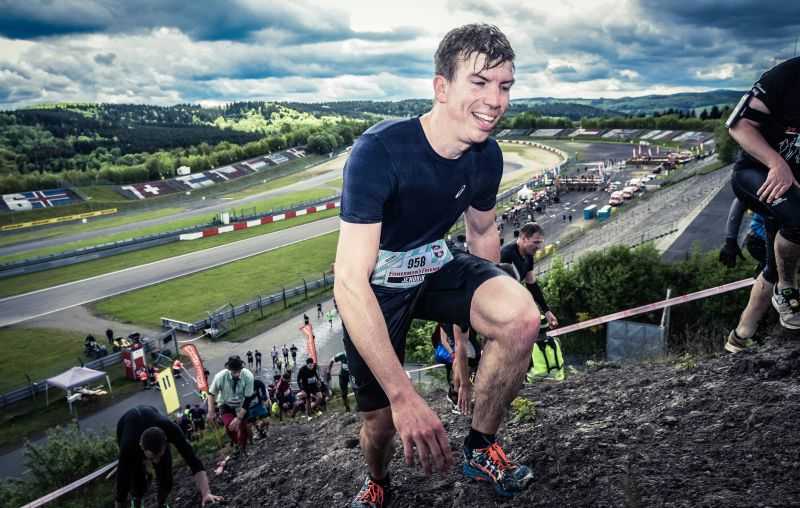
21	308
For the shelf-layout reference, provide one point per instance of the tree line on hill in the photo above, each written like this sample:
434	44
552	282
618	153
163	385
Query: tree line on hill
105	165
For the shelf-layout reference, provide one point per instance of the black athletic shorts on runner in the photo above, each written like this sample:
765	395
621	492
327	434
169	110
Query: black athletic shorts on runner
445	296
783	213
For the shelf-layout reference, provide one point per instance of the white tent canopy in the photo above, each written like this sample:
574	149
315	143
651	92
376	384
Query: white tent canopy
76	376
524	193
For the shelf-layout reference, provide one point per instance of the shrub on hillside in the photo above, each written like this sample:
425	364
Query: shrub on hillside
65	456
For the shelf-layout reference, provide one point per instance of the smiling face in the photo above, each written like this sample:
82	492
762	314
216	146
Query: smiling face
476	98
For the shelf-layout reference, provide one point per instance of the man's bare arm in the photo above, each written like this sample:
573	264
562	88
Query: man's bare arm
780	177
482	235
355	259
746	133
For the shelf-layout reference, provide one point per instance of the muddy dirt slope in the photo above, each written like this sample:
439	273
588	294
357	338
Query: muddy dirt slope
721	431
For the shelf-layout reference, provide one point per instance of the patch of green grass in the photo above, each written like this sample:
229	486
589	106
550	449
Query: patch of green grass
31	282
101	193
269	185
93	224
37	352
287	200
191	296
335	183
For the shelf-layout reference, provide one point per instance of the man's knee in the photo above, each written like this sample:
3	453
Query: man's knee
522	331
378	426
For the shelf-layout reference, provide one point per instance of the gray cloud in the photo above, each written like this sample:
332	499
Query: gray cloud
166	51
104	58
298	22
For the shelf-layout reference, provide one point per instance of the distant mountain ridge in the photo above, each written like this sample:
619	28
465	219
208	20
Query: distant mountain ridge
647	104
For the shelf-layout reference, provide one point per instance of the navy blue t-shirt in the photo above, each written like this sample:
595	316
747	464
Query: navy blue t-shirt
394	176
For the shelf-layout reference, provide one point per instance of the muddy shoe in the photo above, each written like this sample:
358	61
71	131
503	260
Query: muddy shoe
787	303
491	465
736	344
372	495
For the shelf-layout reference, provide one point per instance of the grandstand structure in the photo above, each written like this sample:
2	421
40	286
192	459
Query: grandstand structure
686	138
201	180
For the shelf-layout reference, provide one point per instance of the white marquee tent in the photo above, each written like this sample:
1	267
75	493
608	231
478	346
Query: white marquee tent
75	377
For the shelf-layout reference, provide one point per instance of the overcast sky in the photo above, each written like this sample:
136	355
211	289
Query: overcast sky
170	51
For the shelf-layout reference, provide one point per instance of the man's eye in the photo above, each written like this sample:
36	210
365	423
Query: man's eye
478	83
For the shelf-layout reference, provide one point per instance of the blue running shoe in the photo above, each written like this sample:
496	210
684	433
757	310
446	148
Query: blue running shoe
491	465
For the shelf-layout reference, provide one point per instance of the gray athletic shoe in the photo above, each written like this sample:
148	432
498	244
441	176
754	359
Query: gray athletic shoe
736	344
787	303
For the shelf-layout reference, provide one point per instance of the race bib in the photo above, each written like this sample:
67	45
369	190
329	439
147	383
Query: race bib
408	269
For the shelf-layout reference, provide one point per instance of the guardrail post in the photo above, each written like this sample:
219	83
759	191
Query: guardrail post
32	386
283	292
233	314
260	306
305	289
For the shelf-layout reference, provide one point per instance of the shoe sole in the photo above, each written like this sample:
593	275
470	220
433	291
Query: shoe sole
789	326
733	348
477	475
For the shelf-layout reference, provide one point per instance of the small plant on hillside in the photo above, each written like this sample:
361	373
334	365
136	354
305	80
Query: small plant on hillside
523	409
686	362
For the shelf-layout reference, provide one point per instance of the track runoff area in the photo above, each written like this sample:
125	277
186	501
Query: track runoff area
662	304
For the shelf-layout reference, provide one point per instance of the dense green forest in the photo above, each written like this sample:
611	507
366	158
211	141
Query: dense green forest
86	144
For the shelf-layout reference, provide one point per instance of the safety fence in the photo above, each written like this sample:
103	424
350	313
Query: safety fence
32	388
215	322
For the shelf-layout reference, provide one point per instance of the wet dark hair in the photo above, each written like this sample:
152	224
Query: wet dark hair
234	363
464	41
153	440
309	361
529	229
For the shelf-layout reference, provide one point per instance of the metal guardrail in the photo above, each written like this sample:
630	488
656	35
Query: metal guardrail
35	387
214	319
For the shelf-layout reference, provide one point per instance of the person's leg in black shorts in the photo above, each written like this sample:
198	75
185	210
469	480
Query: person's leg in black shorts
783	248
466	290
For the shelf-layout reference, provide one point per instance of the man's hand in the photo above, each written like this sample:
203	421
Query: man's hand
779	180
551	319
212	417
418	426
461	383
211	498
234	425
729	252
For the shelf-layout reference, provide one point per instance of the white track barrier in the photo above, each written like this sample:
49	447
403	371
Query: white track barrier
699	295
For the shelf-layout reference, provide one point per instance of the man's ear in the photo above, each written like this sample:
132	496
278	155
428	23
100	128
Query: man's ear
440	88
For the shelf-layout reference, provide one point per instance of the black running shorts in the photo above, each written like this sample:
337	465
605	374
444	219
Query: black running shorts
445	297
782	213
